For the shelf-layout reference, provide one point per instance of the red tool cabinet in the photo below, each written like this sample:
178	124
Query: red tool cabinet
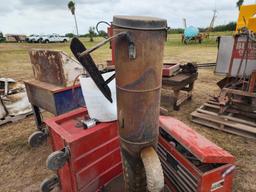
94	153
191	162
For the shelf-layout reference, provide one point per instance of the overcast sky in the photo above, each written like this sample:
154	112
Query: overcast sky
53	16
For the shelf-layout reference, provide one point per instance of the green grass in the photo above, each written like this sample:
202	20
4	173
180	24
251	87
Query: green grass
15	62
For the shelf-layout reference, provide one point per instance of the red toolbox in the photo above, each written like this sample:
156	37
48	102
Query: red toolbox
191	162
85	159
88	160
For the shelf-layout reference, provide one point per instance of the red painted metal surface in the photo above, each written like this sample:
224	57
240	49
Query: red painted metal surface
240	46
95	156
169	69
187	174
202	148
94	152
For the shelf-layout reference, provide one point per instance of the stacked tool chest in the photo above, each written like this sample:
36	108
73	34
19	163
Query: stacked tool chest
190	161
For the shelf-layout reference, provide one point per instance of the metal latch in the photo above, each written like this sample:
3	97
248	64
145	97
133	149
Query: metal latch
89	123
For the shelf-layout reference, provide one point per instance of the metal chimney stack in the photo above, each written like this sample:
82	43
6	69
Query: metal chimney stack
138	61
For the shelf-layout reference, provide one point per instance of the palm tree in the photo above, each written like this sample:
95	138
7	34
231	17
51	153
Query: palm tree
91	33
71	6
239	3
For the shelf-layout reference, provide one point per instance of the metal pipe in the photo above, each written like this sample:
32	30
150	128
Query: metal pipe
138	83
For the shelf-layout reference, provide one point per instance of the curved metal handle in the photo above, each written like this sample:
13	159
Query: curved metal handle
126	35
228	171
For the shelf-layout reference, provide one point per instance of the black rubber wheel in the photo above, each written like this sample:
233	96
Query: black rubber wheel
46	41
65	40
56	160
49	184
36	139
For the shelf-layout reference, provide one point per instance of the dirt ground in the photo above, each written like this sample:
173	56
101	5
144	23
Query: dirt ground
23	168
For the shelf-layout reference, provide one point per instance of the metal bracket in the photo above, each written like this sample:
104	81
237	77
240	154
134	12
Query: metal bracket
128	37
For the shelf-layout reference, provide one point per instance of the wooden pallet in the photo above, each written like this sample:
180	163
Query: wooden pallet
208	115
13	119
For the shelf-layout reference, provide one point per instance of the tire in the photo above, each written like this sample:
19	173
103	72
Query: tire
36	139
56	160
65	40
49	184
47	41
153	170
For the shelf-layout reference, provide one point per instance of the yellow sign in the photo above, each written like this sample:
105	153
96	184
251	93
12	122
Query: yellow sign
247	18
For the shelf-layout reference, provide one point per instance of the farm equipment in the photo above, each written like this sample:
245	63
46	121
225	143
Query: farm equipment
52	89
138	79
129	154
192	33
234	109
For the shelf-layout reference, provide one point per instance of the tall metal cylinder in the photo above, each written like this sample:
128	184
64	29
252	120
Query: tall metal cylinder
138	83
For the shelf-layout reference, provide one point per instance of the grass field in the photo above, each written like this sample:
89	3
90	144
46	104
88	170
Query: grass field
23	168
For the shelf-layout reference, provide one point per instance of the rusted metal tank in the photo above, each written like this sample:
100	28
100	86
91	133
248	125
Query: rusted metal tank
138	80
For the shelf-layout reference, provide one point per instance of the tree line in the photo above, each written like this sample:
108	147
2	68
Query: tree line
228	27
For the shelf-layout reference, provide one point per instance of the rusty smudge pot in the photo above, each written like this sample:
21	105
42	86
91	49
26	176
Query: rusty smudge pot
139	60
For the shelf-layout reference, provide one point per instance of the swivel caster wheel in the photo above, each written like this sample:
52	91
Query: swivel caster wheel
37	138
49	184
57	159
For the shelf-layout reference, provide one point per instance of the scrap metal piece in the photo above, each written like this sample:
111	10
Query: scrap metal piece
87	62
54	67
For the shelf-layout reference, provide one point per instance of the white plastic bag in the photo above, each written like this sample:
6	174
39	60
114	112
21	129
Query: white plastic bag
97	105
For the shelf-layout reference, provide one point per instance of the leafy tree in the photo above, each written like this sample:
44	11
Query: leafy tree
70	35
92	33
175	31
71	6
1	37
229	27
